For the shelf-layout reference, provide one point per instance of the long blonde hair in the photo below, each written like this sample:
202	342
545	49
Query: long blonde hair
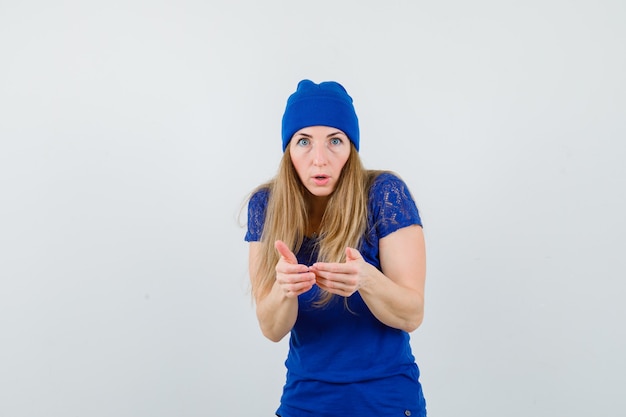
287	217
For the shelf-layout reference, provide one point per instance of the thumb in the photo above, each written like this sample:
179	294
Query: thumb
352	254
284	251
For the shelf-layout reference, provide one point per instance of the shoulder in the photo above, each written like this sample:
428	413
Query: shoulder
391	205
387	182
259	197
257	206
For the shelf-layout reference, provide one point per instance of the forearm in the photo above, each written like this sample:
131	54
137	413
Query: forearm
276	313
394	305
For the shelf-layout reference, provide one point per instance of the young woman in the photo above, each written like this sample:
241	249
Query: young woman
337	260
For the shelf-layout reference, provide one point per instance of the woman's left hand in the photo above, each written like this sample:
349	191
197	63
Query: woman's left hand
342	278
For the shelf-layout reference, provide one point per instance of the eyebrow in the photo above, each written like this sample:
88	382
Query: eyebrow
332	134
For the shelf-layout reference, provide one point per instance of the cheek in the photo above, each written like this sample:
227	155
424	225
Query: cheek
343	161
298	165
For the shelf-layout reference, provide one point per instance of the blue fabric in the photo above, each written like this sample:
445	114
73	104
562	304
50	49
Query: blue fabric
323	104
343	361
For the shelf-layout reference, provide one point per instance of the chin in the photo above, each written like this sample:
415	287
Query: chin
320	193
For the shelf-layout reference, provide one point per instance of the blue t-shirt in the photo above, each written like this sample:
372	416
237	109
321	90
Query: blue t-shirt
342	360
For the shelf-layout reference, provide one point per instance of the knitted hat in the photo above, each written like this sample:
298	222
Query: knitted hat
324	104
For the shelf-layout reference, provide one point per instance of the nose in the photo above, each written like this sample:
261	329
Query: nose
319	156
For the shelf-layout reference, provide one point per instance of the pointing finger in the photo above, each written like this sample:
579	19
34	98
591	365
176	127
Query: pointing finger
284	251
352	254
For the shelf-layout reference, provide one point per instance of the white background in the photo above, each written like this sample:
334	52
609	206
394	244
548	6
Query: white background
132	131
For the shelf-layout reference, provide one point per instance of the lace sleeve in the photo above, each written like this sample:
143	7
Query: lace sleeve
391	205
256	215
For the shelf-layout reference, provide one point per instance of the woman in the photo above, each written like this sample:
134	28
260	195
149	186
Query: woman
337	260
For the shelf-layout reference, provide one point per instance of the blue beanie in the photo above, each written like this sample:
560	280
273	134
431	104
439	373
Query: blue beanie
324	104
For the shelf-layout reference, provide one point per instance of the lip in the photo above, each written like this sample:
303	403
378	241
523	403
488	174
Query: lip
320	180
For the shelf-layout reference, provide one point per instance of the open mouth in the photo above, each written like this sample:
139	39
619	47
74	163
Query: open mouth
321	180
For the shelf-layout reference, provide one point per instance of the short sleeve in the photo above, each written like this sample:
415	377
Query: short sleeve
391	205
256	215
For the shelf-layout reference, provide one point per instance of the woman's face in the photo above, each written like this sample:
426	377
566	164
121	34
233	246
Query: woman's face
318	154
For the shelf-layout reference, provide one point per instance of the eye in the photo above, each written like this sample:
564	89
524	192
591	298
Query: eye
336	141
303	141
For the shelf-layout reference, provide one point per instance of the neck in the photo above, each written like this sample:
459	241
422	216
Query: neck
317	207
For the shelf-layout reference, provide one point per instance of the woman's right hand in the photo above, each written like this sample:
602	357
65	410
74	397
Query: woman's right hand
292	278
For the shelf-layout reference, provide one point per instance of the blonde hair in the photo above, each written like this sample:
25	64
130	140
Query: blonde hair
287	217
